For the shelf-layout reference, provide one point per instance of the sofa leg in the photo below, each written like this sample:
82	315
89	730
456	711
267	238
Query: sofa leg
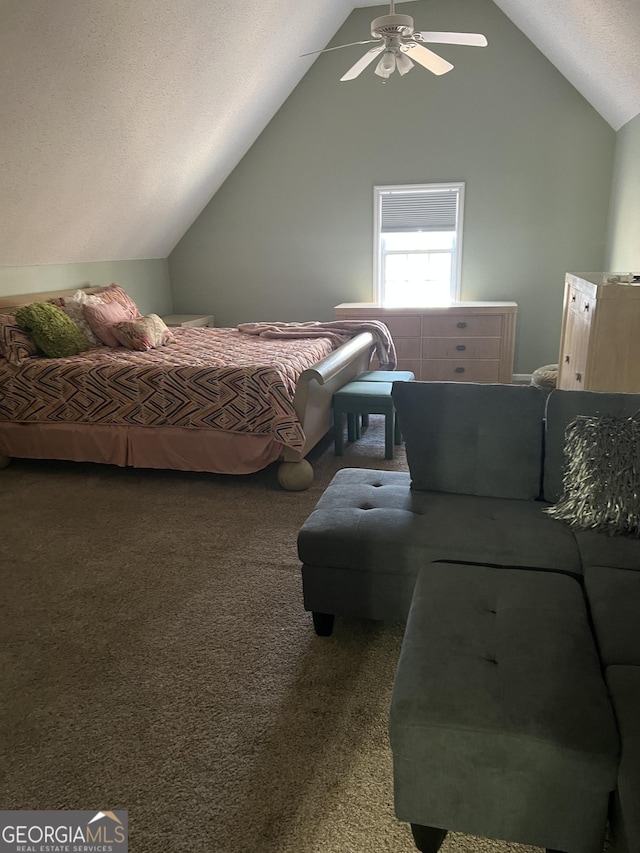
427	838
323	623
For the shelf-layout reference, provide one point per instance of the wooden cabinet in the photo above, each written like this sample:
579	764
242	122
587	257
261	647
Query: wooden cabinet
600	339
461	342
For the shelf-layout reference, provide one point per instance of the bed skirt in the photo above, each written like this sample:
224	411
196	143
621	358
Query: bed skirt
174	448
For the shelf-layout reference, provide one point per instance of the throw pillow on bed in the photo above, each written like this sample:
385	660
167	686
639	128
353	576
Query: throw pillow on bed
102	317
114	293
73	307
143	333
53	332
15	344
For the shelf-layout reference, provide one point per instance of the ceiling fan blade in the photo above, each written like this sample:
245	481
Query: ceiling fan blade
427	58
474	39
340	46
362	63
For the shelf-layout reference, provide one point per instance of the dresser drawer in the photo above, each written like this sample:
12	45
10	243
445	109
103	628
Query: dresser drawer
407	347
460	370
412	364
456	325
403	326
580	303
461	348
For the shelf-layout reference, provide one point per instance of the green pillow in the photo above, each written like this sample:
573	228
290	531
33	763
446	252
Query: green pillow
52	330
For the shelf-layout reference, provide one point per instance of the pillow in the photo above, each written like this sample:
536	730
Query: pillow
15	344
102	317
114	293
601	483
73	308
472	439
144	333
53	332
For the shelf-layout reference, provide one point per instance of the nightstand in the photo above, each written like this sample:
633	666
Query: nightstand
189	320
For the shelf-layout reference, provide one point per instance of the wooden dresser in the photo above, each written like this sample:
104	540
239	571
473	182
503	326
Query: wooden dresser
461	342
600	339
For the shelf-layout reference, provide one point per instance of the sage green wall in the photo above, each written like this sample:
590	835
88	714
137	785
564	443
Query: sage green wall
147	282
289	234
624	221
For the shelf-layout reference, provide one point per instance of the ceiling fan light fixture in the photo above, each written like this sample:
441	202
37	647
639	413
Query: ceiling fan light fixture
403	63
387	64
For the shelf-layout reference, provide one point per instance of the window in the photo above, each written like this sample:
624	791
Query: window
418	241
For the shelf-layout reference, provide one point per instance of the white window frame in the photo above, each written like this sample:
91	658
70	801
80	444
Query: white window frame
378	192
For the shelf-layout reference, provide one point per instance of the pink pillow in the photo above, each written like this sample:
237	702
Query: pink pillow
114	293
101	317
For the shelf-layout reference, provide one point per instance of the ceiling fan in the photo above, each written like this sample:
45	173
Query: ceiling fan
401	46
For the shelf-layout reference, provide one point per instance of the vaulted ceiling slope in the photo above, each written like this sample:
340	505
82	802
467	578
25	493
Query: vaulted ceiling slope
594	43
119	120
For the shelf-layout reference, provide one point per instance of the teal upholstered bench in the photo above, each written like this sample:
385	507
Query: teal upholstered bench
376	376
364	398
385	376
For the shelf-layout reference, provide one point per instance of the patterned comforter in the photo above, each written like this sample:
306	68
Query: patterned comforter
207	379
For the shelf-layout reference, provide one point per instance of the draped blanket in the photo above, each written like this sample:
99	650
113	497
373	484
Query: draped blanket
339	331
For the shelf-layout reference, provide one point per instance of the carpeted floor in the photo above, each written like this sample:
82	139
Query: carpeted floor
155	657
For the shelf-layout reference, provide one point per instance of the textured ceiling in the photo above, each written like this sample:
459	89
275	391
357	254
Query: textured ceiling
119	120
594	43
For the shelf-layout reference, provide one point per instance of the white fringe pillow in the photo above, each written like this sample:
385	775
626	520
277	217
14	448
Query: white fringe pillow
601	484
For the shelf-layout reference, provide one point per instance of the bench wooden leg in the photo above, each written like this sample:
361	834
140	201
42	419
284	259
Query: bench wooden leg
352	427
398	431
389	435
427	838
338	434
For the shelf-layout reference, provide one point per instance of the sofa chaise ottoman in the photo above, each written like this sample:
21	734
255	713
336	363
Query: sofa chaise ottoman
486	468
500	722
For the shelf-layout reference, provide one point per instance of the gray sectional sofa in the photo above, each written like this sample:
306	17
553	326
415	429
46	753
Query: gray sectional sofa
516	707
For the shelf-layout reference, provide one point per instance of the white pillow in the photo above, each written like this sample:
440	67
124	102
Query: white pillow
72	307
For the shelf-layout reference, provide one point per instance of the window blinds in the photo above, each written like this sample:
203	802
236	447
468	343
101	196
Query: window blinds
433	210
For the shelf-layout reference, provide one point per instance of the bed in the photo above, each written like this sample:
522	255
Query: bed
213	400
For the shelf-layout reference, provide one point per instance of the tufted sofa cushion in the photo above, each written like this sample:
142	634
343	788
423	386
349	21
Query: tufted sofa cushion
371	520
370	534
500	722
598	549
614	598
624	687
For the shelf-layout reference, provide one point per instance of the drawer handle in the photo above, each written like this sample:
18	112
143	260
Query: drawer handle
578	377
459	369
573	298
461	347
586	306
567	359
461	325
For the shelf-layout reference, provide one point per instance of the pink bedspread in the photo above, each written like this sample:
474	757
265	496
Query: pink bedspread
208	379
